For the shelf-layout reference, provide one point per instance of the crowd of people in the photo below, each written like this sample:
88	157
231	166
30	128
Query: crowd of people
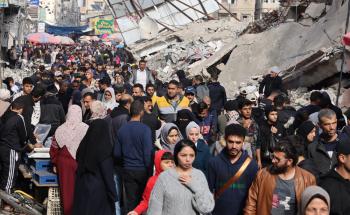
124	142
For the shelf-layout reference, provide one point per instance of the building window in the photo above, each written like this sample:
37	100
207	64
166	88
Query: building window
232	1
245	17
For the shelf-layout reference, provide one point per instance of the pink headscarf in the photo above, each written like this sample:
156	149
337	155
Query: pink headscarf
71	133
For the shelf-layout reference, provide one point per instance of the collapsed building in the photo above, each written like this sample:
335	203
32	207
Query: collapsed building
303	38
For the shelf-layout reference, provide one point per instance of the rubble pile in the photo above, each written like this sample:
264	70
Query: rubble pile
267	21
288	44
196	43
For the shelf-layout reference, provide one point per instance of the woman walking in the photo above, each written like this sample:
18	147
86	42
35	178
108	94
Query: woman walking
95	190
183	189
63	153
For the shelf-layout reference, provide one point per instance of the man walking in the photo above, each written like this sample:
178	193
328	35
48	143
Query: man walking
231	173
322	151
336	182
277	189
133	149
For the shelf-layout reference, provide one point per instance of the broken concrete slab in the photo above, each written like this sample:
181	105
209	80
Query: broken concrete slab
288	44
315	10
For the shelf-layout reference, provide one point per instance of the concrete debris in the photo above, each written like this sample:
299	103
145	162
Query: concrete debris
288	45
193	48
315	10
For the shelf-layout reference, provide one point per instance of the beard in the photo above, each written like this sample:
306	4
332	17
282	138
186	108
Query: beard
276	170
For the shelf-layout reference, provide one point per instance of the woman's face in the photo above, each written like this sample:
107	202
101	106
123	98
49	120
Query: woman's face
119	79
317	207
193	134
186	157
173	136
108	96
311	136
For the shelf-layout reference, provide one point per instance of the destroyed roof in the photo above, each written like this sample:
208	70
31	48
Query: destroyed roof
168	14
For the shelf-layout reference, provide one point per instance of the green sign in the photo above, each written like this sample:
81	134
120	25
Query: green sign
104	26
4	3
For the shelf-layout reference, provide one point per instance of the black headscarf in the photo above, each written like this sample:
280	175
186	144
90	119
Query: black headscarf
94	148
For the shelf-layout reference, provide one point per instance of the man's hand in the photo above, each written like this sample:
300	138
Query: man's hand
38	145
132	213
274	130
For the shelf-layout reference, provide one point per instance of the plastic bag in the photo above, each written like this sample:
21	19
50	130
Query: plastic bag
41	131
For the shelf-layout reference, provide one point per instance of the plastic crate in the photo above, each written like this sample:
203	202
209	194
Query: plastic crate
45	177
41	164
54	203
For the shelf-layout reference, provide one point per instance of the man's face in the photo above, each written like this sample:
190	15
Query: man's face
118	96
136	91
246	111
87	102
87	66
280	163
150	91
99	68
172	90
345	161
142	65
234	145
273	74
203	114
190	96
27	88
273	116
75	86
329	125
148	106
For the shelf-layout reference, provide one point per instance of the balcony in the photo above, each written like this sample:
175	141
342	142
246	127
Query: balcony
19	3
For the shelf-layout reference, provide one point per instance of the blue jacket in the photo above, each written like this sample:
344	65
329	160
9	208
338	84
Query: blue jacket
220	170
202	157
134	146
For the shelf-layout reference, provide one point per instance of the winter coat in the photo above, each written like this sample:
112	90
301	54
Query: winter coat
217	94
338	189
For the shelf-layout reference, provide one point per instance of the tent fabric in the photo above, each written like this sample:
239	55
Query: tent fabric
64	30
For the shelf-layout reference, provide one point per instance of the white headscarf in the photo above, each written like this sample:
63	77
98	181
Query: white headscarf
111	104
71	132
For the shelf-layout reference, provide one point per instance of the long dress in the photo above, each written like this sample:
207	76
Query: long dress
66	168
95	190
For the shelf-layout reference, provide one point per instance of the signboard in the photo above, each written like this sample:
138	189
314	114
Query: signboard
34	2
4	3
104	26
41	27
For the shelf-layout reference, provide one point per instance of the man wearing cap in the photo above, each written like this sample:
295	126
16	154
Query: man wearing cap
336	181
190	93
271	82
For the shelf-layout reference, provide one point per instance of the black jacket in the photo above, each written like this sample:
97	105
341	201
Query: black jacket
52	113
28	104
267	140
13	132
318	154
151	120
217	94
338	189
269	84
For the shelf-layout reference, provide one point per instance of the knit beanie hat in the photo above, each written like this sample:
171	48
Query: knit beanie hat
308	195
305	128
231	105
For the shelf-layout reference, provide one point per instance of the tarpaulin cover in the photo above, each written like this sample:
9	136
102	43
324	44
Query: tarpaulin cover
64	30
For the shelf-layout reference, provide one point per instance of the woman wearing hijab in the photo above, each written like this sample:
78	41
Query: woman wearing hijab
183	189
307	133
108	100
95	191
315	201
169	136
203	153
98	111
63	153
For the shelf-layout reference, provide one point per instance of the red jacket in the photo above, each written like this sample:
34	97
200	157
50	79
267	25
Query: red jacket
143	205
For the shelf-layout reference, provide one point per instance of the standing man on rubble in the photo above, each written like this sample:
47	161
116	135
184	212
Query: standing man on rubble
271	82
